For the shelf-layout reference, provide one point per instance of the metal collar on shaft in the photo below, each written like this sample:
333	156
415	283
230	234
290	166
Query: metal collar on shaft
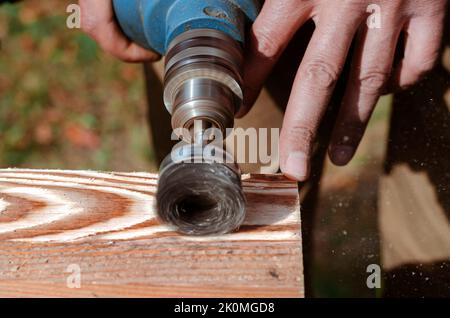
203	68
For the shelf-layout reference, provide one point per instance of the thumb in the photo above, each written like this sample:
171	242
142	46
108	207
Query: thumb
271	33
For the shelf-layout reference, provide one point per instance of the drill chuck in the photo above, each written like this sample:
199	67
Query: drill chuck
203	80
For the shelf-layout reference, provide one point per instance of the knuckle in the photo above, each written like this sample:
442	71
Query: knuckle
302	135
267	44
88	26
416	70
373	82
425	65
354	4
322	74
89	23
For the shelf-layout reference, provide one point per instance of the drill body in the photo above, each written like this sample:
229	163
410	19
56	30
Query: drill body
203	43
155	23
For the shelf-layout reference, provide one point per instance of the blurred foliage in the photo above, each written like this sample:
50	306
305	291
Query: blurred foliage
64	103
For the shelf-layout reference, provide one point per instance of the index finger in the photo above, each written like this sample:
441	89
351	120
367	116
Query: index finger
312	90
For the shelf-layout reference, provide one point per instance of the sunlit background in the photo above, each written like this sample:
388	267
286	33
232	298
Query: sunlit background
64	104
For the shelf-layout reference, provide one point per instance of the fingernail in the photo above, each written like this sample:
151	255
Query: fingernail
296	166
341	155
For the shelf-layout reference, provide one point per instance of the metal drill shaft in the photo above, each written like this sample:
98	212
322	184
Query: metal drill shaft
203	79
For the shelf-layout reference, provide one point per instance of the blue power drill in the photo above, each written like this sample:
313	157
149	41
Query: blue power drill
203	42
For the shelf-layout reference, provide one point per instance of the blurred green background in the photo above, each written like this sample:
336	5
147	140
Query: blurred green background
65	104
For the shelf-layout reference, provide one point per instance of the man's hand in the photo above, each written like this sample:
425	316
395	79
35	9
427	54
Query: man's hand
97	20
337	22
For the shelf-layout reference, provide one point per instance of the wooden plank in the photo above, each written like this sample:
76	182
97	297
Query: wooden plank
53	223
408	198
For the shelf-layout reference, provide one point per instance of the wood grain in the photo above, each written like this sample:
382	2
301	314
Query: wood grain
408	198
105	223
